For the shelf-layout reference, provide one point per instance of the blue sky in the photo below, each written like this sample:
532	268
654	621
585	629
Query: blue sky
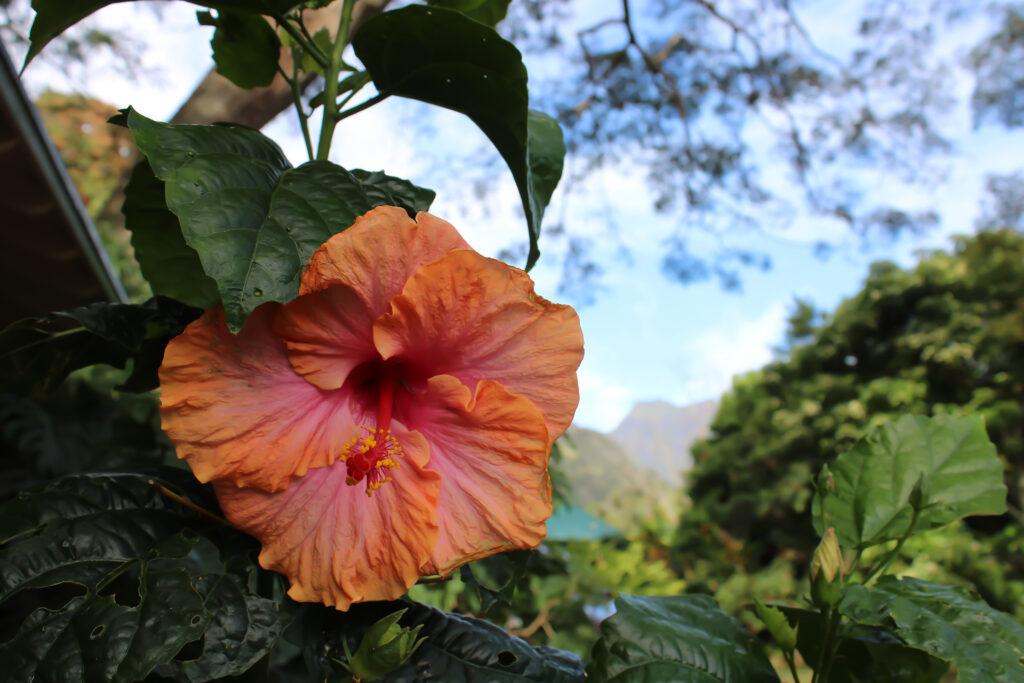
646	337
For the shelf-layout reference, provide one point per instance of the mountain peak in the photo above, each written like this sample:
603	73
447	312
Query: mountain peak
658	434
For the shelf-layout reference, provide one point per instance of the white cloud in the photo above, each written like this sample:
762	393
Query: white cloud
717	355
603	403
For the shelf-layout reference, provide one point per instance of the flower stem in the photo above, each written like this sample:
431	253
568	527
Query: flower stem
884	564
331	71
791	661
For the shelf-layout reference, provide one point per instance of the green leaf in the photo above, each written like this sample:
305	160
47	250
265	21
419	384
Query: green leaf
246	49
143	582
385	189
686	638
949	623
949	460
467	650
253	220
489	12
775	621
171	267
76	428
864	653
443	57
53	17
36	354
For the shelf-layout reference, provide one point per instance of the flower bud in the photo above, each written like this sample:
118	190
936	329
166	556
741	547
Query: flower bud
385	647
827	571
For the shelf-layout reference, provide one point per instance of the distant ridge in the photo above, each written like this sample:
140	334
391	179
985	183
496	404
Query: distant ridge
658	434
626	475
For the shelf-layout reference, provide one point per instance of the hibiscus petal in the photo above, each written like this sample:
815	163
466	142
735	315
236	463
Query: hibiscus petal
477	318
491	451
328	334
378	254
234	407
336	544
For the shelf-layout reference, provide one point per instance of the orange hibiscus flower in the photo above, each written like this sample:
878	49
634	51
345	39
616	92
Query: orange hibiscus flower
395	420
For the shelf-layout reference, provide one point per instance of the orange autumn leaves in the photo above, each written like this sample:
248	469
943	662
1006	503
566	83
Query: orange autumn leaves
393	421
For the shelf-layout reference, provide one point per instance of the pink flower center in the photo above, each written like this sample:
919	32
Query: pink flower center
374	454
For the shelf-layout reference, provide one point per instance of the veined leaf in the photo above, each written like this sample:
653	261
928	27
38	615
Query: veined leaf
864	653
683	639
443	57
385	189
253	220
149	578
460	649
944	464
36	354
948	623
171	267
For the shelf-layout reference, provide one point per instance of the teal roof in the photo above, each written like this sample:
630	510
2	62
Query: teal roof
570	523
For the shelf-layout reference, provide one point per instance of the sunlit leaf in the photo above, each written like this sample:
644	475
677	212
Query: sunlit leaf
949	461
946	622
683	639
864	653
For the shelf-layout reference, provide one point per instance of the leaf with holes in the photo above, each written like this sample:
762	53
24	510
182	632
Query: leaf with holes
36	354
443	57
945	465
126	578
948	623
686	638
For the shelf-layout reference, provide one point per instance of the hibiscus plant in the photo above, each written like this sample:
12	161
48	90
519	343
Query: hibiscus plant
353	403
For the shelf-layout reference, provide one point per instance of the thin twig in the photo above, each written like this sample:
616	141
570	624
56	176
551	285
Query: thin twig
186	503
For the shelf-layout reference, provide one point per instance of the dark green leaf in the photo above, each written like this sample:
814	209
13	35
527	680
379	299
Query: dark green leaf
75	429
777	625
864	653
949	623
462	649
949	460
53	17
253	220
36	354
150	577
171	267
442	57
489	12
245	49
686	638
384	189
